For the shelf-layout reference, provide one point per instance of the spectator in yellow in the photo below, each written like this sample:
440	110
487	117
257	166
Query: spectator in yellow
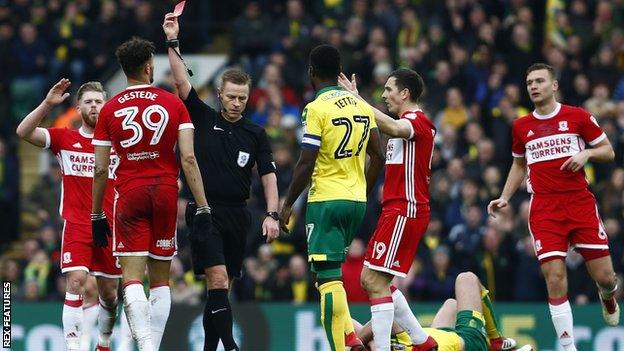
37	270
454	114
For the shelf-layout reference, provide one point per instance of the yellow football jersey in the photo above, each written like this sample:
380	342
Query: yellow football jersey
447	340
338	125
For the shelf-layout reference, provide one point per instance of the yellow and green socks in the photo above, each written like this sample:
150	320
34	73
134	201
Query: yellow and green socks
335	316
491	324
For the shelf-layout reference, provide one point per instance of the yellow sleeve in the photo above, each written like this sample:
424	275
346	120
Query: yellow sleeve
313	128
373	122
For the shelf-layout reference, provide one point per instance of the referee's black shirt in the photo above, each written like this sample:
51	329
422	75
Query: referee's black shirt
226	153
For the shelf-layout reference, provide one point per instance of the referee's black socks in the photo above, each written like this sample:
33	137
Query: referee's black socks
211	341
218	321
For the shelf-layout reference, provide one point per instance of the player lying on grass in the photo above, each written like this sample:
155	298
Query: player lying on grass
466	323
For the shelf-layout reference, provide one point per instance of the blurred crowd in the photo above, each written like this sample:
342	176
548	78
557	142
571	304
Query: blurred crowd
472	56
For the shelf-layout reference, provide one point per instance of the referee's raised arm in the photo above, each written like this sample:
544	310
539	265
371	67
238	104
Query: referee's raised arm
178	70
227	147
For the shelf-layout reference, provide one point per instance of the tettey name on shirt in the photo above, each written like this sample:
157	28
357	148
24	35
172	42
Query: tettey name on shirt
345	101
140	94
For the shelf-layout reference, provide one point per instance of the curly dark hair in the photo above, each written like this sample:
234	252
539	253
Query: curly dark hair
133	54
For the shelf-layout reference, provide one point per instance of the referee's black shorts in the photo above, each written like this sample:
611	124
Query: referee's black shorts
225	242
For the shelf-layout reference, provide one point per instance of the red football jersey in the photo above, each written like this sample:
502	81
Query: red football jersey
547	141
142	124
74	152
408	168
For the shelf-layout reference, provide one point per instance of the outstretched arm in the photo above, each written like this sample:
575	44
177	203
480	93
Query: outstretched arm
29	129
377	159
178	70
387	125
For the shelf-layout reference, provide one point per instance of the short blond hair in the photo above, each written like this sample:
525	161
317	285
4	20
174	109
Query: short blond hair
90	86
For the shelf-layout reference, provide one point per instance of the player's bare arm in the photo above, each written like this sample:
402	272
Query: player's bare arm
29	129
190	168
602	152
387	125
301	179
377	159
171	28
100	177
99	225
514	179
270	226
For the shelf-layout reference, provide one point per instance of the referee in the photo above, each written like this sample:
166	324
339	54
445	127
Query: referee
227	146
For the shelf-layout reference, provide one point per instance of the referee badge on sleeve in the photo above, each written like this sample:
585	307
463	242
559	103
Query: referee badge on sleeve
243	158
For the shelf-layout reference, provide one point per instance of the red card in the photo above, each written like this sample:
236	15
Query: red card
179	8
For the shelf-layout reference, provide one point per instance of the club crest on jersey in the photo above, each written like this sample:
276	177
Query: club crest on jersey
243	158
563	126
67	257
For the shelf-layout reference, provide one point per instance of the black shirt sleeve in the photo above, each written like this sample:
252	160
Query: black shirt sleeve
265	155
201	114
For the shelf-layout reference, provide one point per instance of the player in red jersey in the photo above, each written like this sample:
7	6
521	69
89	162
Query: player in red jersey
551	143
405	206
75	153
144	124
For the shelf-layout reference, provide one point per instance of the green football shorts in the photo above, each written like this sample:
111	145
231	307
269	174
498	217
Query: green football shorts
470	325
330	227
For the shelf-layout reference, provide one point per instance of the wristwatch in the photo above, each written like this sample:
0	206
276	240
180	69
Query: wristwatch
273	215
